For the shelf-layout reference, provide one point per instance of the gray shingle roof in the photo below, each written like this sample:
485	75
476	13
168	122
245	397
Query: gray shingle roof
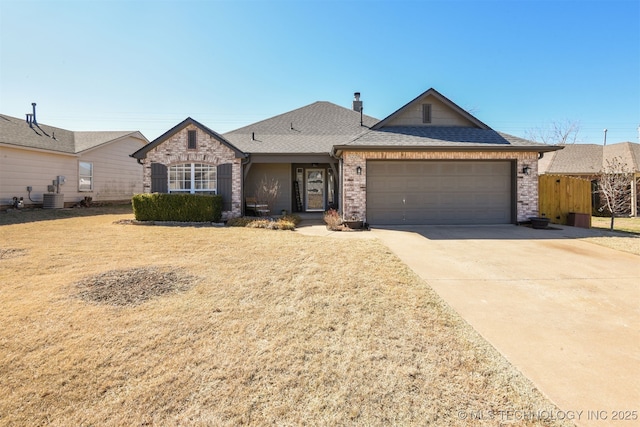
589	159
17	132
312	129
443	137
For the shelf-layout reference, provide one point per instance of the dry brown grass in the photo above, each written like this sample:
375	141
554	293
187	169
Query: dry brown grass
629	225
621	243
629	242
276	328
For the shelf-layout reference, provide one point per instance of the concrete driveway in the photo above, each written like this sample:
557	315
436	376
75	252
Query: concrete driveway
564	311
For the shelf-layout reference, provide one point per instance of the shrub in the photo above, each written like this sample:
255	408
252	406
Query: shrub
177	207
242	221
285	223
333	220
293	218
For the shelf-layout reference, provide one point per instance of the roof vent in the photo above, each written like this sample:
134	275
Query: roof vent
357	105
35	122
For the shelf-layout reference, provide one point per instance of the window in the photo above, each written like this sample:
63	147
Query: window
191	143
426	113
193	178
85	175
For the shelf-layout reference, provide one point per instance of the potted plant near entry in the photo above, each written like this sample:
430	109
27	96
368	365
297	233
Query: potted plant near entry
539	222
353	223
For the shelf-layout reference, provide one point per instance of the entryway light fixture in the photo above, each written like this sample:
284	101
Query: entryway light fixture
359	170
526	170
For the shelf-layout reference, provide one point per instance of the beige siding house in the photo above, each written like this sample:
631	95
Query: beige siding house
429	162
93	164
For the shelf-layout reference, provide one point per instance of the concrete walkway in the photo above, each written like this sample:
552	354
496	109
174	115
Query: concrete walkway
564	311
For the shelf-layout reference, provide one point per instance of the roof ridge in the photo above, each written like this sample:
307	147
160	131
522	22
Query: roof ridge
275	118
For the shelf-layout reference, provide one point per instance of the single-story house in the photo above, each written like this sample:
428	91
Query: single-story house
38	160
429	162
588	160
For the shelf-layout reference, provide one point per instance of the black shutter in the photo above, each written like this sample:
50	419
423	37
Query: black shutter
159	180
225	181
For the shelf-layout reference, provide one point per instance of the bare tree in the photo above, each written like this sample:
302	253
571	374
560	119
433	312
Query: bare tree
557	133
614	187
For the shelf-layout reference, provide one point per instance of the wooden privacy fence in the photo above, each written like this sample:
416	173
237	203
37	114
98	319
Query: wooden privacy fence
559	195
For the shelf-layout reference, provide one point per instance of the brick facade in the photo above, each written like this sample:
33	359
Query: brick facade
208	151
355	186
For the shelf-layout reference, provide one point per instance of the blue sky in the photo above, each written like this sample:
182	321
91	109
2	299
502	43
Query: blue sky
146	65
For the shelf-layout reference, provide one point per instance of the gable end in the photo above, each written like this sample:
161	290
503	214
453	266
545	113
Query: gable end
191	124
431	109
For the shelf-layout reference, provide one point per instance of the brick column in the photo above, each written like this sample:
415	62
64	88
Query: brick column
355	186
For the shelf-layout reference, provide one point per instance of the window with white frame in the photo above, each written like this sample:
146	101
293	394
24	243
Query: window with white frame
193	178
85	176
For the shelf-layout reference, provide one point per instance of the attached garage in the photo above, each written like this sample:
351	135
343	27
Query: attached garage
438	192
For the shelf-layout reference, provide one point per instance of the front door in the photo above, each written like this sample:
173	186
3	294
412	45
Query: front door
314	189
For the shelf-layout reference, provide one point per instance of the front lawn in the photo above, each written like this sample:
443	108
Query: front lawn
106	323
629	225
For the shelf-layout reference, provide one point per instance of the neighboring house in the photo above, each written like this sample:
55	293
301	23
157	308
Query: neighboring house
588	160
93	164
430	162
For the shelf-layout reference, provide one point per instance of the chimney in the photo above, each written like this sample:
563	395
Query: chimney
35	122
357	104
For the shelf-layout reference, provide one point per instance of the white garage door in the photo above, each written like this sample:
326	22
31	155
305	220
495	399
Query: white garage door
439	192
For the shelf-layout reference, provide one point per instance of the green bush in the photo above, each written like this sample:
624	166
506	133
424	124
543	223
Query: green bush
177	207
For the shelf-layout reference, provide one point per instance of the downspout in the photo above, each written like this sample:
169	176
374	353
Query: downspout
634	195
245	162
340	182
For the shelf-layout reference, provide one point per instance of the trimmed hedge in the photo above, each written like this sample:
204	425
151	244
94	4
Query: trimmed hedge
177	207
